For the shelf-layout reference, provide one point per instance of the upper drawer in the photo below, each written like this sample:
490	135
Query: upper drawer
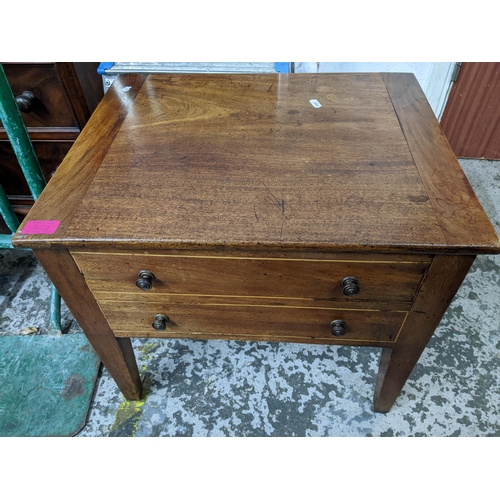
51	106
295	278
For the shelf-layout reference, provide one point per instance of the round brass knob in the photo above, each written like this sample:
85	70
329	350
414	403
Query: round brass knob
160	322
26	101
338	328
350	284
145	281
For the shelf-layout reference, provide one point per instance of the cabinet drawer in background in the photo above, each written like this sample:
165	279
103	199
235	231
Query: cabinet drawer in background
296	278
135	319
50	154
51	105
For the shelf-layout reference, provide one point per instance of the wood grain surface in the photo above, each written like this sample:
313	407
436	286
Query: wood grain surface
445	276
134	319
117	356
50	155
247	161
252	300
75	91
243	253
62	196
53	106
460	216
63	97
319	280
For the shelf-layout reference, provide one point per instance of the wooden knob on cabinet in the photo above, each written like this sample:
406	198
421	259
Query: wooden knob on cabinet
26	101
351	286
338	328
145	281
160	322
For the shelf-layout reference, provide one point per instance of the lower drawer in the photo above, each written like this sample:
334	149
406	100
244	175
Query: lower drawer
129	319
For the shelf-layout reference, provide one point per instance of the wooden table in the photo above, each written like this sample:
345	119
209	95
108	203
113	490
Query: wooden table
314	208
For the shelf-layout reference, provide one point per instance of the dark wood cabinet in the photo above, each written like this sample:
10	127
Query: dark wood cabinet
58	101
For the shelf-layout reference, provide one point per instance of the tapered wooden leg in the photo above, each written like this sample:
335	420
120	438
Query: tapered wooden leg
395	368
443	279
116	355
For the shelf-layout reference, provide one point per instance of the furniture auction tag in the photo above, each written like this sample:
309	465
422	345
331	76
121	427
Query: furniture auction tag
41	227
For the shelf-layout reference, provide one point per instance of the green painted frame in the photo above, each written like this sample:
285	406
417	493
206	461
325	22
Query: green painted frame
14	125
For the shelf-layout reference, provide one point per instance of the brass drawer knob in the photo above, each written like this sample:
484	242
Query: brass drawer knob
145	281
338	328
26	101
160	322
350	284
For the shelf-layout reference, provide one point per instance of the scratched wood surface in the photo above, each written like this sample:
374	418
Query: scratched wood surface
61	197
246	160
458	211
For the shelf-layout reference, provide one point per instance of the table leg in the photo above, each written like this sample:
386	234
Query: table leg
443	279
116	354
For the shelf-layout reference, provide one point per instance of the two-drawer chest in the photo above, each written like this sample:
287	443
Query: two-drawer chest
325	208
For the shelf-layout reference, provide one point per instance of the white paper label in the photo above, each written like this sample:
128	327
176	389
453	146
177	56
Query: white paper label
315	103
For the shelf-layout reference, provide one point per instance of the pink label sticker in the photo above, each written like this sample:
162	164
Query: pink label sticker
41	227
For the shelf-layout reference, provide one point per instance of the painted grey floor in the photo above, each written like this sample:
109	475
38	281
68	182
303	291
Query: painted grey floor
218	388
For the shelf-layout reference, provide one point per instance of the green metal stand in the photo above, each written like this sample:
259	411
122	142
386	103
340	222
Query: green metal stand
46	381
10	219
13	123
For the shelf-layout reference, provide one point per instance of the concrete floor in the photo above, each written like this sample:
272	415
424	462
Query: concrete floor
219	388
